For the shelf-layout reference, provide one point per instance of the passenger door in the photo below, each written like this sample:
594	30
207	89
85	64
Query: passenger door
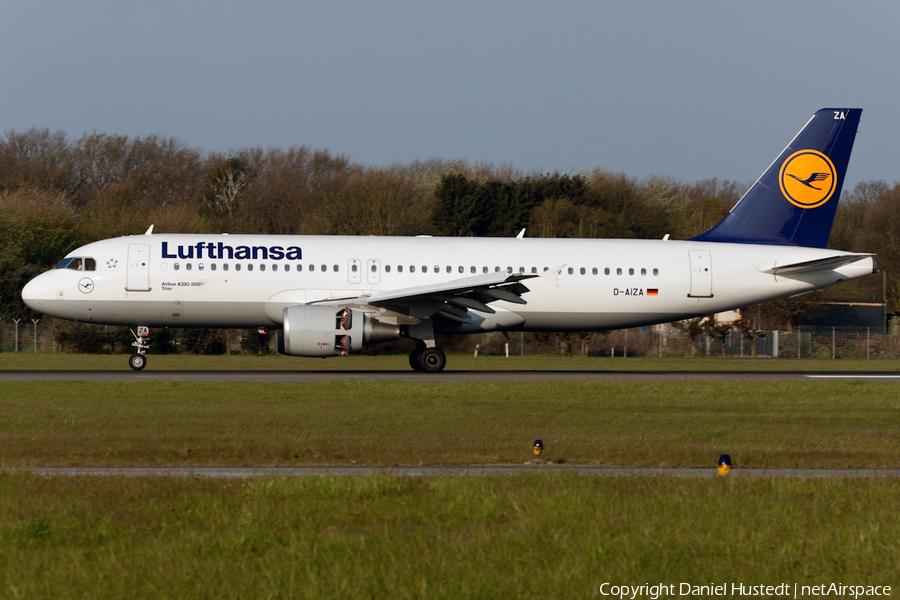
137	277
701	274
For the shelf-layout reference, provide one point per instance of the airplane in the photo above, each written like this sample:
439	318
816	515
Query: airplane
331	295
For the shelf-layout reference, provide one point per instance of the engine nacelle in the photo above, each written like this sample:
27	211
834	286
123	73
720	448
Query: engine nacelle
321	331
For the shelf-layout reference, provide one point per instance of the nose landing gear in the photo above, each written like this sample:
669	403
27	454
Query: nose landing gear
138	360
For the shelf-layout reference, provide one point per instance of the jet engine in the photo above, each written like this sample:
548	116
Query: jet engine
321	331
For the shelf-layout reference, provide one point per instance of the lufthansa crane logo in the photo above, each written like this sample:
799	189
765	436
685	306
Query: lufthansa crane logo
807	179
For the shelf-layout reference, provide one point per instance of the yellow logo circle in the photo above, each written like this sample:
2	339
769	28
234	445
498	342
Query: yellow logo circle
807	178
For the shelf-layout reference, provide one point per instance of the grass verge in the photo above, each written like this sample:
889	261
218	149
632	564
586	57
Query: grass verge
536	536
767	424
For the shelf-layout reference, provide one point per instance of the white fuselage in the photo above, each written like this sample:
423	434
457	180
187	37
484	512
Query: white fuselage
215	280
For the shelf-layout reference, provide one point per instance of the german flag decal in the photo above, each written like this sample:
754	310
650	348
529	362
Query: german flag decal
652	292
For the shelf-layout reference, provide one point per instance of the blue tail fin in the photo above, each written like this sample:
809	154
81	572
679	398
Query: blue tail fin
794	201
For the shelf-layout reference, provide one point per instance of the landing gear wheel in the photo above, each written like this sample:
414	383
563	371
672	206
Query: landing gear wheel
414	357
137	361
432	360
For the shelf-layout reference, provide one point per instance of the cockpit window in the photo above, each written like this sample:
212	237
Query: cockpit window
77	263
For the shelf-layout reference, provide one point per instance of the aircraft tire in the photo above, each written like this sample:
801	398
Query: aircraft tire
432	360
137	361
414	357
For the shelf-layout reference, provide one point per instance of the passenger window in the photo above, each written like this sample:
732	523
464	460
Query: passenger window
655	272
606	271
473	270
312	268
631	271
412	268
521	269
249	267
449	268
334	268
323	268
594	270
571	271
534	269
299	267
583	271
424	269
437	269
484	269
399	268
188	266
509	269
212	266
262	267
387	268
274	267
643	271
461	269
225	267
353	268
200	267
237	266
546	268
619	271
177	266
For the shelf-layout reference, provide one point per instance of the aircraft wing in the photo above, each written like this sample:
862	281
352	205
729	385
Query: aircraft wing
810	266
451	299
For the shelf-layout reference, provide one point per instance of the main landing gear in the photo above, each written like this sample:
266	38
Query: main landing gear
427	360
138	360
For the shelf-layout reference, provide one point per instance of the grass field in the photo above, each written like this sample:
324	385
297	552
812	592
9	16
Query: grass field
541	535
530	536
455	362
690	423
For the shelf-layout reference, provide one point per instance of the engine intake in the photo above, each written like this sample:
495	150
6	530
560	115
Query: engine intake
321	331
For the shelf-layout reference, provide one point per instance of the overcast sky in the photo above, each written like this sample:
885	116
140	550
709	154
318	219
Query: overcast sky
688	89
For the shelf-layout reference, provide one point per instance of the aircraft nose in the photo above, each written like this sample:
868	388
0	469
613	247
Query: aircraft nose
36	292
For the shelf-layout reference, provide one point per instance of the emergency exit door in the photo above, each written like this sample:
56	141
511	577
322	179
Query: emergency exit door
701	274
137	277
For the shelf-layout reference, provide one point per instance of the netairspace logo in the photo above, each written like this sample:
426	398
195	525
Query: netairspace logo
783	590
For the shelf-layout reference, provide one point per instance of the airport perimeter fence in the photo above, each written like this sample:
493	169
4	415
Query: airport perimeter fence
818	342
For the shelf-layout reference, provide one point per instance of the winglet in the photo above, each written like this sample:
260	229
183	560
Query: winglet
149	231
521	234
552	275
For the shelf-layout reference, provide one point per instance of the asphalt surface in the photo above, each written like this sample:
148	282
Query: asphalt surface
491	470
445	377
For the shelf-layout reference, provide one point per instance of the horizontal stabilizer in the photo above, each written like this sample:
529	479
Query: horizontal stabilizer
821	264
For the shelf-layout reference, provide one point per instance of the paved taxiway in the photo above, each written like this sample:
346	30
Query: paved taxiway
445	377
492	470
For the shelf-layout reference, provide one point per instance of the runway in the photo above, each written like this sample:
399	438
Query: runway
451	471
445	377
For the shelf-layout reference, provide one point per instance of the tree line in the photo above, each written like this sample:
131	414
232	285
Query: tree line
58	192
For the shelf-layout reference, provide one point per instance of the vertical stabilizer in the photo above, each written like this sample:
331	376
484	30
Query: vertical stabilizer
794	201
